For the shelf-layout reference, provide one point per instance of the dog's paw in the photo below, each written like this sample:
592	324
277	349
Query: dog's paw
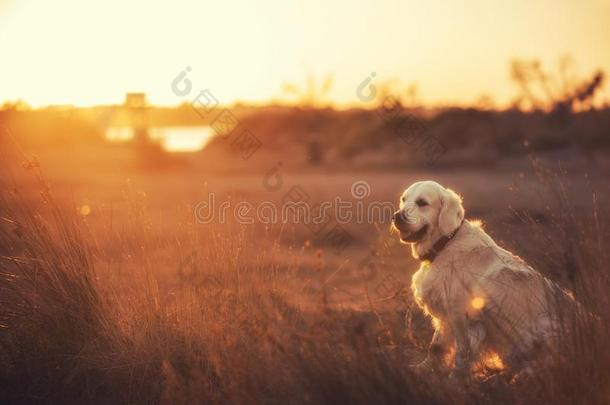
460	376
522	376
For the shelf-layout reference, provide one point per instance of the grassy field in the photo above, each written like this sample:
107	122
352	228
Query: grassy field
113	291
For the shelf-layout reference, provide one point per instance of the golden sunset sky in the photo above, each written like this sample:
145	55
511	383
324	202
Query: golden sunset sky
92	52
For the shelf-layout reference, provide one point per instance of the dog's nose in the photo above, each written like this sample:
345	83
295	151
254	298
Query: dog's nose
398	218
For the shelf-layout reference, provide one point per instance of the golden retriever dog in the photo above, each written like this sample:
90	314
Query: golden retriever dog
482	299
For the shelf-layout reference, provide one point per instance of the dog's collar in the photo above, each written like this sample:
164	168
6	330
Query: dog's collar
439	245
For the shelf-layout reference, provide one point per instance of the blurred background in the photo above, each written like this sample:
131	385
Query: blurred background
261	102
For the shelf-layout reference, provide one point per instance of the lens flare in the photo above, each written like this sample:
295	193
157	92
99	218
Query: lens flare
477	303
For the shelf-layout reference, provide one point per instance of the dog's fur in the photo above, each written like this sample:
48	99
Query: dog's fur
481	297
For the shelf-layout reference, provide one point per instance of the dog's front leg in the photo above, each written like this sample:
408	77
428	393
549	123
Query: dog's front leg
469	335
439	345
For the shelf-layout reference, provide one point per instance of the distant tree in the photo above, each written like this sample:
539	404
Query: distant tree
562	93
15	106
485	102
401	95
313	93
412	95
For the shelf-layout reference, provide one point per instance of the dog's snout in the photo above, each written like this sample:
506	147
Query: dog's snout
398	218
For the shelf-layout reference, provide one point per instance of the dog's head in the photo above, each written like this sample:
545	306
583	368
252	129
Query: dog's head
427	212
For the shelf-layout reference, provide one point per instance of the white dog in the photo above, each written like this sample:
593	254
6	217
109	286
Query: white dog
481	297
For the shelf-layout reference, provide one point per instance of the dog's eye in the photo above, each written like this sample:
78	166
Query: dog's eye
421	202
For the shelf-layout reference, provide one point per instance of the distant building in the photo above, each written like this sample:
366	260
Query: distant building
137	109
135	100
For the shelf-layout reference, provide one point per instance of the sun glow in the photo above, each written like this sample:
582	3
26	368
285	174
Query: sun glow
183	139
477	303
493	361
84	210
93	52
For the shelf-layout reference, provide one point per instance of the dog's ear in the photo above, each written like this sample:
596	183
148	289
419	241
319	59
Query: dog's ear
452	212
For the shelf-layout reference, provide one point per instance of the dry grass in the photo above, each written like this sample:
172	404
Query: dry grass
86	317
